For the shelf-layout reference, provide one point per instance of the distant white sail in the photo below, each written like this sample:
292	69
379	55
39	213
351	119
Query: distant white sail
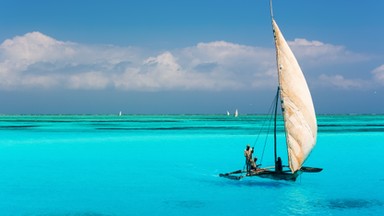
296	101
236	113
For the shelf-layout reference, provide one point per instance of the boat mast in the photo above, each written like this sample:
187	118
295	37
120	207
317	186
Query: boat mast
278	87
275	126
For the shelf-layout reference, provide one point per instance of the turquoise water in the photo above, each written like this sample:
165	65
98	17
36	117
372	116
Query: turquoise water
169	165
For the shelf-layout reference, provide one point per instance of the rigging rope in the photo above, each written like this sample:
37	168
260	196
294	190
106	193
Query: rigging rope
269	120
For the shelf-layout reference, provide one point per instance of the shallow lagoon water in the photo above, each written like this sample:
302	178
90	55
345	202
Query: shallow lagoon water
169	165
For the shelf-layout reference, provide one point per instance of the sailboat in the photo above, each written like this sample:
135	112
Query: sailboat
236	113
299	117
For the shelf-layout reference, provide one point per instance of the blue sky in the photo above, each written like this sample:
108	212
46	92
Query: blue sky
178	56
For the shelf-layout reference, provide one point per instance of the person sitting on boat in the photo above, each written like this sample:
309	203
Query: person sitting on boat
247	155
279	166
254	164
250	158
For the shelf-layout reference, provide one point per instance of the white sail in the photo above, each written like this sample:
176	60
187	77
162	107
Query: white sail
296	101
236	113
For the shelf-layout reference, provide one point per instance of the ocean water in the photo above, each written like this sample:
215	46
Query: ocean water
169	165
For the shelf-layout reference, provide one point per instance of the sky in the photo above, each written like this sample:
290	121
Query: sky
186	57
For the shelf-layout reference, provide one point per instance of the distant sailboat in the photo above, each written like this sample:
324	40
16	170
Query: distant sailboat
299	116
236	113
120	113
228	113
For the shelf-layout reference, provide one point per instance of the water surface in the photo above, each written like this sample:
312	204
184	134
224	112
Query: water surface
169	165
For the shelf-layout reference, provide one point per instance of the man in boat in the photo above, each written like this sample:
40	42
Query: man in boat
250	158
247	155
279	165
254	164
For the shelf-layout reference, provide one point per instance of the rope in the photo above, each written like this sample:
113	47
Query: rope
266	120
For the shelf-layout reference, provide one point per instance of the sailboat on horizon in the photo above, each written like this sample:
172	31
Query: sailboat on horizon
299	117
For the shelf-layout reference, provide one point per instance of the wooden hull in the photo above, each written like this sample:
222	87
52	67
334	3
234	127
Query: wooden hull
262	173
286	175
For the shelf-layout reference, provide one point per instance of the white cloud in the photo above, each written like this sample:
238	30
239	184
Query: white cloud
88	80
36	60
378	74
317	53
340	81
154	73
231	65
33	47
